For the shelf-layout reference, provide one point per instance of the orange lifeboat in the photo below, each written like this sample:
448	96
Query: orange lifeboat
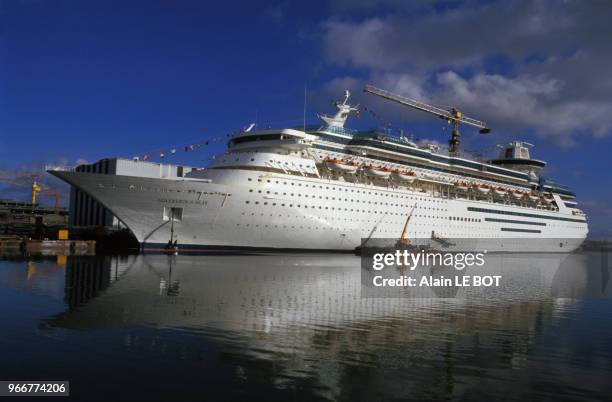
341	166
483	188
517	194
378	172
403	175
461	185
533	196
499	190
547	198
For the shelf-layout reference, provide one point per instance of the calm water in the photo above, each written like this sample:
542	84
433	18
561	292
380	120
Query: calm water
294	327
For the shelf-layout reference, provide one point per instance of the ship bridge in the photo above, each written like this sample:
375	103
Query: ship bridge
274	140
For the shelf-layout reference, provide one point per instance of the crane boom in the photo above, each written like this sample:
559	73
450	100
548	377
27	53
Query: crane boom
453	115
442	113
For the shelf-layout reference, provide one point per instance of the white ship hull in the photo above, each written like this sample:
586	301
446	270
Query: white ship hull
238	208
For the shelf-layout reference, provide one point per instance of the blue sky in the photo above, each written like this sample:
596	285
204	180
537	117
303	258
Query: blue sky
83	80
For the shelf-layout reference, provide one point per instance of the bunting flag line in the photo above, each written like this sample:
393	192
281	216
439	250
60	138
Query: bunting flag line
185	148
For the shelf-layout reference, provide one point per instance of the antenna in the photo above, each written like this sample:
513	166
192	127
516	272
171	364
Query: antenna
304	106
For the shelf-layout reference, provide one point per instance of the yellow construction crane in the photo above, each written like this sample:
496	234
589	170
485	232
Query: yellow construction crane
18	179
452	116
36	188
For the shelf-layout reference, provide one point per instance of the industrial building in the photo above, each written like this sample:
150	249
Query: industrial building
25	218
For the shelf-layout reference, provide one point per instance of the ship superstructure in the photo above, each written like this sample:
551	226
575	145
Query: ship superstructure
329	187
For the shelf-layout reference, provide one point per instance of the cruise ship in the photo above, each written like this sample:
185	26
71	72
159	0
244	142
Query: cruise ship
332	188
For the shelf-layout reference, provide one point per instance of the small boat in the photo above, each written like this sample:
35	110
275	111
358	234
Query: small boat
547	198
533	196
461	185
377	172
499	190
517	194
403	175
483	188
341	166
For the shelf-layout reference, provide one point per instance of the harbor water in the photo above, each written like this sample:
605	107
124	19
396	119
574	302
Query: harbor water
296	327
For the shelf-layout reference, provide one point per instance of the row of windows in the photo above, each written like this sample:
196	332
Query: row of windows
353	218
497	211
520	230
322	207
279	162
168	190
340	189
344	199
378	226
500	200
463	219
515	221
451	218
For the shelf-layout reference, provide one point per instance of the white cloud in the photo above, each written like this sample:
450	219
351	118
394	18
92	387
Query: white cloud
556	79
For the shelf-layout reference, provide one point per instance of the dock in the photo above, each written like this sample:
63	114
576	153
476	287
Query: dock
16	245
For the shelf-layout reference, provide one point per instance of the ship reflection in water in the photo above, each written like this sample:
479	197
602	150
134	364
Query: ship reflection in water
279	327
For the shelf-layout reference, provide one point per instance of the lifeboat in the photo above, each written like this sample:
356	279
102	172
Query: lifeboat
377	172
403	175
341	166
547	198
533	196
517	194
461	185
483	188
499	190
